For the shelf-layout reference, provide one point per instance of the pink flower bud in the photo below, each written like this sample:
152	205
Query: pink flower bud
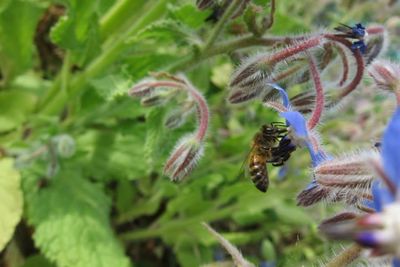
386	75
184	158
346	178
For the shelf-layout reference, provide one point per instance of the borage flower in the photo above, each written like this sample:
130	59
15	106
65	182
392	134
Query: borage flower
380	230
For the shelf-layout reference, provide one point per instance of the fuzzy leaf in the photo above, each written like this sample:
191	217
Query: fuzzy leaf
111	86
189	15
78	30
71	223
14	108
10	200
163	31
18	21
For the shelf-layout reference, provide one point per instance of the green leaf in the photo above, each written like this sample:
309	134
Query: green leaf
10	200
37	261
72	226
15	106
163	31
78	30
111	86
154	135
18	22
189	15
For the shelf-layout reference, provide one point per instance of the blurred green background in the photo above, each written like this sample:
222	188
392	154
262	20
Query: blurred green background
65	69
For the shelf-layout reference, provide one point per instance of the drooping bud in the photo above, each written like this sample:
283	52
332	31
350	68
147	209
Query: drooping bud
379	231
345	178
184	158
65	145
386	75
158	97
249	80
178	116
141	90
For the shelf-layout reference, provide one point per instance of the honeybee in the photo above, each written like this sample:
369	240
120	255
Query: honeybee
270	145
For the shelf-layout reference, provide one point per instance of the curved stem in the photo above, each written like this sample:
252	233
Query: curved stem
202	108
359	62
319	94
346	257
194	59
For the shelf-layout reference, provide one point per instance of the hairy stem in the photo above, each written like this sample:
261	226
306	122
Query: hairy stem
359	63
319	94
345	257
202	108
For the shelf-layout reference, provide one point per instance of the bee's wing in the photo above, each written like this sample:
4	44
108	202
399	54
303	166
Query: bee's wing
344	29
244	170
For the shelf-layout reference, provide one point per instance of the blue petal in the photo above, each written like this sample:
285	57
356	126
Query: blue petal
391	148
382	195
297	121
282	92
367	239
311	185
316	157
283	171
396	262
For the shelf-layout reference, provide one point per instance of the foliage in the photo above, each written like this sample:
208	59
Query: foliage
90	159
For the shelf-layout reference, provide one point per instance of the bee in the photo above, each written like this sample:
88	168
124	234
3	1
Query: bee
356	32
270	145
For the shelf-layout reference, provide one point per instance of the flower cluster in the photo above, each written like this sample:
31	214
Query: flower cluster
189	148
379	229
351	178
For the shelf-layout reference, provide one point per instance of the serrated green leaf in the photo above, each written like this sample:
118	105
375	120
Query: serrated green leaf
10	200
111	86
18	22
189	15
154	133
71	223
78	30
163	31
14	108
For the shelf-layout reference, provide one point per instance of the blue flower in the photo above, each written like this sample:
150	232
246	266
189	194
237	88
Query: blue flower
391	162
297	122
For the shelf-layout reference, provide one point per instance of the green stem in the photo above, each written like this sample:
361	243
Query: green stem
65	73
116	16
346	257
221	24
225	47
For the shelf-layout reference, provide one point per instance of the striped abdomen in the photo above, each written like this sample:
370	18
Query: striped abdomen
258	171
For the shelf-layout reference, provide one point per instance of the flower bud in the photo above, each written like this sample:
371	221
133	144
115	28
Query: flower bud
386	75
184	158
249	80
158	97
65	145
178	116
141	90
346	178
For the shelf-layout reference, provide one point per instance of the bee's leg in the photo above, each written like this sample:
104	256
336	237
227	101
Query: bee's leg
278	164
